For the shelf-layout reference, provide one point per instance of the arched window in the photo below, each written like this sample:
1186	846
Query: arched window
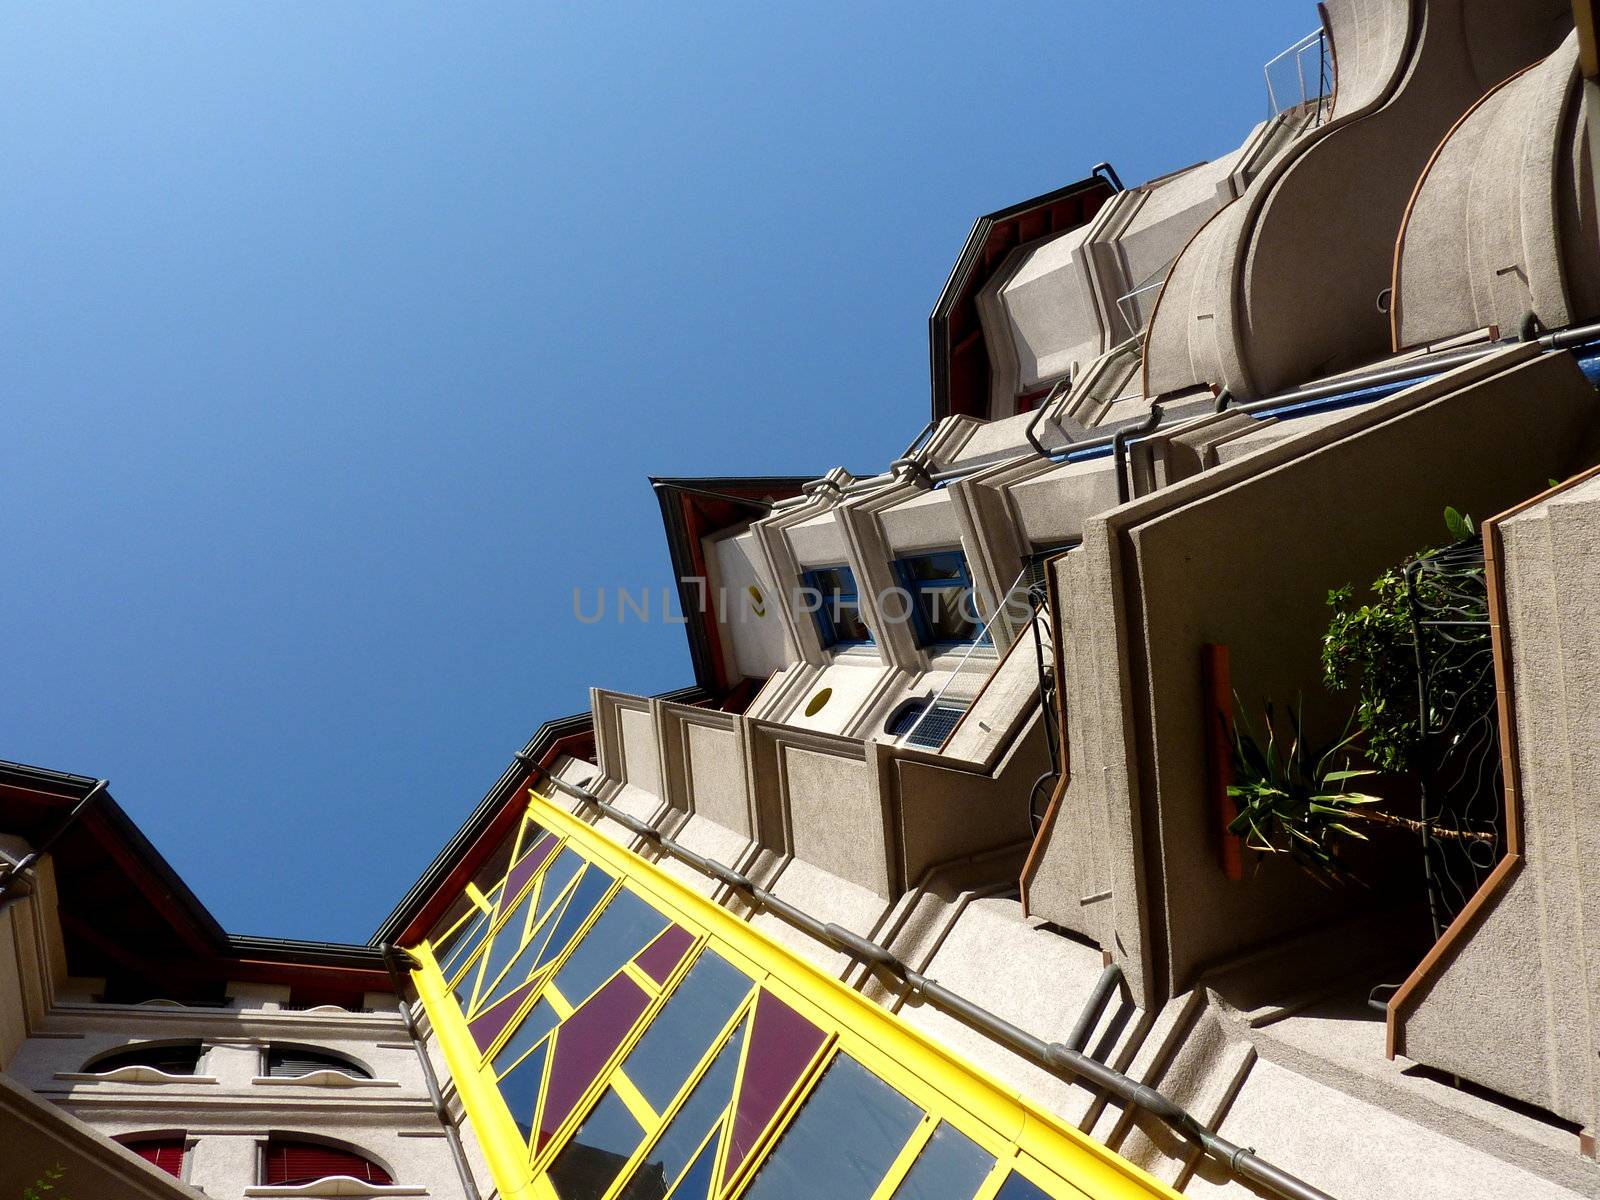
164	1150
171	1058
289	1162
291	1062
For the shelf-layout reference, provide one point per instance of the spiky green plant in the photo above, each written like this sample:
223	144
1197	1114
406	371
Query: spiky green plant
1294	798
44	1187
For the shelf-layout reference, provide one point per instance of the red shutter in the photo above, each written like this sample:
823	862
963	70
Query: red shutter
291	1163
166	1153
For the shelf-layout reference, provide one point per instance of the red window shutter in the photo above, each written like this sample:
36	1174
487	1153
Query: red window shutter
291	1163
166	1153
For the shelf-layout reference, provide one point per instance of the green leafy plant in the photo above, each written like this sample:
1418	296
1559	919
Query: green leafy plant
1294	798
1371	649
44	1187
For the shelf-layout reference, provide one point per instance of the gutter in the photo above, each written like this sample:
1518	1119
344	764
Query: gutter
1065	1061
458	1153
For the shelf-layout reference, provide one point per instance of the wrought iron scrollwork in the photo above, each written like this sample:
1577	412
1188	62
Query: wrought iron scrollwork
1458	748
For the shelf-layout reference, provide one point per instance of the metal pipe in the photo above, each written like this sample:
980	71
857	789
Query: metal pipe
1109	173
458	1152
1053	1056
22	866
1119	449
1110	980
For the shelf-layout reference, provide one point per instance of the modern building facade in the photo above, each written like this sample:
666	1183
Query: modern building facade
936	883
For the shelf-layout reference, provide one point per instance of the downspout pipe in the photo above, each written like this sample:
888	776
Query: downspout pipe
1119	449
458	1152
24	865
1055	1057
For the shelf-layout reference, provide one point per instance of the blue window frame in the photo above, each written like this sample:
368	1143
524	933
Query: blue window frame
838	613
944	609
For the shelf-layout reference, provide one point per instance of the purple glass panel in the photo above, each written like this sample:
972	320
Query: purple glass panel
782	1045
488	1025
659	958
528	866
584	1042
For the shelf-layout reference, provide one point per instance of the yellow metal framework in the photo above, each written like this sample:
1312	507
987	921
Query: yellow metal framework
1024	1140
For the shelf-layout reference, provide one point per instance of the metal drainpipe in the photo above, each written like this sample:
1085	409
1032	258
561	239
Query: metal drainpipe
1055	1057
24	865
1119	449
458	1152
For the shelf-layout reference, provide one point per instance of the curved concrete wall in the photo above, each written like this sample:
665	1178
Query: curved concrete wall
1483	242
1056	303
1285	283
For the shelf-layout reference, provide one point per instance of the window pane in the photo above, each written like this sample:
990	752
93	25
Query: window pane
554	939
476	928
950	1167
624	928
541	1019
847	623
591	1160
834	581
947	564
705	1107
1017	1188
682	1031
841	1142
949	614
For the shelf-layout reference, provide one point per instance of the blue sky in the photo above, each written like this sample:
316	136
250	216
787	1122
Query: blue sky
339	341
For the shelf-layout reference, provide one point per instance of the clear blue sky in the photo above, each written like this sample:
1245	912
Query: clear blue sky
338	341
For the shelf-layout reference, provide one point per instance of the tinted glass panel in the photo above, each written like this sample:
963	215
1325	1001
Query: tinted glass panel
505	944
950	1167
841	1142
586	1042
476	928
1017	1188
591	889
705	1106
591	1160
520	1089
682	1031
696	1181
624	928
541	1019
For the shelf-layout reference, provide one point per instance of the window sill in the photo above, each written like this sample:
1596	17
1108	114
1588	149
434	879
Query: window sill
323	1079
131	1075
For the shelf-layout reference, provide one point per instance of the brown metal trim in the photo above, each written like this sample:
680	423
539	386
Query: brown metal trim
1216	709
1504	687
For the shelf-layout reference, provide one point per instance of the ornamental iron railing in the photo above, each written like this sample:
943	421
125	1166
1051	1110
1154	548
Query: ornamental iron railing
1458	762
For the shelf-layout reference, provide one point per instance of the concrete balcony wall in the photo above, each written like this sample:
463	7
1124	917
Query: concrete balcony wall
1284	284
1513	1002
1485	239
1239	554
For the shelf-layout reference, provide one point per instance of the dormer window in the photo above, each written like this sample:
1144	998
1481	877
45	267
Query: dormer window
944	608
838	611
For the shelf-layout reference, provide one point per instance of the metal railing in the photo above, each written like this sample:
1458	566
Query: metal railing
1067	1060
1301	75
1132	308
1458	761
